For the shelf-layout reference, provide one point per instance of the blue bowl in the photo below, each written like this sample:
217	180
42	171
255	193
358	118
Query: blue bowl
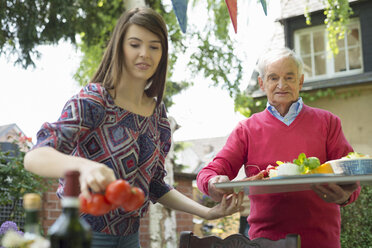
352	166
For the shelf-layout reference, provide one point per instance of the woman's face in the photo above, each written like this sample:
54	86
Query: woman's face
142	52
282	84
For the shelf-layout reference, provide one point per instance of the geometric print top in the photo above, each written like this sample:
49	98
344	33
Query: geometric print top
93	127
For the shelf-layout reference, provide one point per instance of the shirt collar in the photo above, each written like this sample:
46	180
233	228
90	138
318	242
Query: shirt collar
294	109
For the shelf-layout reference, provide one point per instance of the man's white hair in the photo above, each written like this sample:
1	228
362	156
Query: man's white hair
273	55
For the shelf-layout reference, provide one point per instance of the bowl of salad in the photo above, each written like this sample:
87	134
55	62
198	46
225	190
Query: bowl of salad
352	164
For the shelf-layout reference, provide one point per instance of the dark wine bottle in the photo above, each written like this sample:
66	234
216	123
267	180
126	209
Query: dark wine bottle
70	231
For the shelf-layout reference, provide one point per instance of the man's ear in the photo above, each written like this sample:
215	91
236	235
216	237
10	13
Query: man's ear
302	81
260	82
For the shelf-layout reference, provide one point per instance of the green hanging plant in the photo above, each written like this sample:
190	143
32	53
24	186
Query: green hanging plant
337	14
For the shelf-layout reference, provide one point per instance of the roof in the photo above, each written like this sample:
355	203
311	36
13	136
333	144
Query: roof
5	129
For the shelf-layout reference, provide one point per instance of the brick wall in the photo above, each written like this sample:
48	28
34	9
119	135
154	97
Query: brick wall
51	207
184	185
183	181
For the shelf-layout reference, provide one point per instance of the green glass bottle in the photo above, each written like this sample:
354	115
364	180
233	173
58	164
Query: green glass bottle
70	231
32	206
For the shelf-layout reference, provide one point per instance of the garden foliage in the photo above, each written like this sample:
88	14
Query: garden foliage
16	180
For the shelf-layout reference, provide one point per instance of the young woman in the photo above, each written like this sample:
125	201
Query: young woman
117	127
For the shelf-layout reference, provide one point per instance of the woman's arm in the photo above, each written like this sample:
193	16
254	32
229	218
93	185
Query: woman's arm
48	162
230	204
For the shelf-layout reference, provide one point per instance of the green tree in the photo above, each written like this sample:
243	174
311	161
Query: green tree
88	25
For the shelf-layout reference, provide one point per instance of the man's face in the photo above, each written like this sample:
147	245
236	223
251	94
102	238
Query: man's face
282	84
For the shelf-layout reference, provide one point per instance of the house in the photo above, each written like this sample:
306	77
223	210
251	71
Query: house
344	79
198	153
9	132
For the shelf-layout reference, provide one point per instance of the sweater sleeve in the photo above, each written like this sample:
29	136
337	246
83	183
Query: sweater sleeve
338	146
228	161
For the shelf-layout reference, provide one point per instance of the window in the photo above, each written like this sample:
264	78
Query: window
320	62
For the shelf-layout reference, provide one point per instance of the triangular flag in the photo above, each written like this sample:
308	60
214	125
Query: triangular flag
263	3
180	8
233	11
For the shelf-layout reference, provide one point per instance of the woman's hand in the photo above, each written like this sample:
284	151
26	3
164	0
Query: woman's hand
230	204
215	193
335	193
95	177
48	162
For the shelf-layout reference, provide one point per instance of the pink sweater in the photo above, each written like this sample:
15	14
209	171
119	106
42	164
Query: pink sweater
262	140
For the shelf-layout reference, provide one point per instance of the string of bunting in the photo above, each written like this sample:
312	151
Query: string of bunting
180	9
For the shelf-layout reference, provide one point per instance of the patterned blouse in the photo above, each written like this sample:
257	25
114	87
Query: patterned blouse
93	127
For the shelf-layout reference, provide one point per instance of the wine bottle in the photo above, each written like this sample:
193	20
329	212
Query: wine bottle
70	231
32	205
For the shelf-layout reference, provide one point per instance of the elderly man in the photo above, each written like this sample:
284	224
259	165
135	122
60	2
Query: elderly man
286	128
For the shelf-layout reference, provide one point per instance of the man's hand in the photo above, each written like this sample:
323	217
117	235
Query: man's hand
215	193
335	193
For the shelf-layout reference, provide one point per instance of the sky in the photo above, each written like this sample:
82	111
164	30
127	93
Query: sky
34	96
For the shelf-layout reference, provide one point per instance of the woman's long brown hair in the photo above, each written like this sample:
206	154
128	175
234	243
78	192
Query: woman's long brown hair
111	67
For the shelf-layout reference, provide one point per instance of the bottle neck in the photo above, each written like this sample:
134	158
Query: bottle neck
32	221
70	205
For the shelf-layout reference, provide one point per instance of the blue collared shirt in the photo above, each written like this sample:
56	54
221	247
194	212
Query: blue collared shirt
293	112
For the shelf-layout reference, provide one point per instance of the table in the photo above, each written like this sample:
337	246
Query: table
292	183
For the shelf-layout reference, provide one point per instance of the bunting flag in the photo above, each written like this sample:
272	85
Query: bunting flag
263	3
233	11
180	8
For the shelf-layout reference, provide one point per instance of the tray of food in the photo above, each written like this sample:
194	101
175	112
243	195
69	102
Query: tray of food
303	172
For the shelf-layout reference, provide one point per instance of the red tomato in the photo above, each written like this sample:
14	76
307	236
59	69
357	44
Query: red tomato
98	205
135	201
118	192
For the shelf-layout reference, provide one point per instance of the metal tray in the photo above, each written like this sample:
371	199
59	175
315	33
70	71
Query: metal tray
292	183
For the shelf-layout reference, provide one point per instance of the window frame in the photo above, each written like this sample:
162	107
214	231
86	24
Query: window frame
329	62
